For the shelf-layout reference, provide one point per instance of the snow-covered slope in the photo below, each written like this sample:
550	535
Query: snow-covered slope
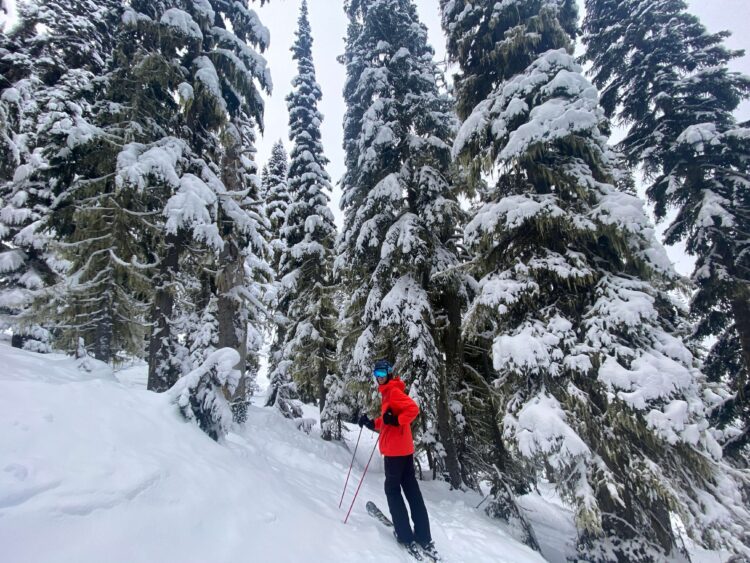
96	470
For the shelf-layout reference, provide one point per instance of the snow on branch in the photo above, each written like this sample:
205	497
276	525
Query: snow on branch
200	394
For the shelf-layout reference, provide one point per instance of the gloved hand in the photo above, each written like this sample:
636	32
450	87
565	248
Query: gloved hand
364	420
390	418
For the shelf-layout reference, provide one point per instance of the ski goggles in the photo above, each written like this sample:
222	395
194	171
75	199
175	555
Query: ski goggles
380	372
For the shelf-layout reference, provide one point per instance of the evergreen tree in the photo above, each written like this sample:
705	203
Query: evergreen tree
264	184
221	105
400	215
308	233
674	93
277	197
123	175
173	171
283	393
200	394
49	65
597	392
244	273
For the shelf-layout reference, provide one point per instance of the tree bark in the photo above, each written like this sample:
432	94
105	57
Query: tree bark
741	312
162	373
103	338
322	391
232	330
453	349
228	306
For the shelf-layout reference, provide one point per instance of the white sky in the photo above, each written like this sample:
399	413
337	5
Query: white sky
329	28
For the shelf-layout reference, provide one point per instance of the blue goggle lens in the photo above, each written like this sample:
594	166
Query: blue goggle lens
380	373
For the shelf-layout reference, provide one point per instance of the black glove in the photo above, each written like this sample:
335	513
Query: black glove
364	420
390	418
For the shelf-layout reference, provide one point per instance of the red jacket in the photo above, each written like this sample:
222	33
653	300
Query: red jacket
396	440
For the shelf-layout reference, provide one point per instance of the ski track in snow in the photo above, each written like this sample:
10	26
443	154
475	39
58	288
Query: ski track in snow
96	469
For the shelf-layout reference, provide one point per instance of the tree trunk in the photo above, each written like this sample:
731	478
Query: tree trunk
162	372
273	360
231	277
322	372
741	312
453	349
232	327
326	433
103	338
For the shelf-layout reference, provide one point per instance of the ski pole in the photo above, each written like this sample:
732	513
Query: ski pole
350	467
362	479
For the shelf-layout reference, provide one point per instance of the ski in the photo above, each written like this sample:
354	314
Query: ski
414	549
376	513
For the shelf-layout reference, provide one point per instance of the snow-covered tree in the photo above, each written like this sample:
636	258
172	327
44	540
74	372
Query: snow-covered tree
244	272
26	263
598	393
276	187
400	213
308	233
217	43
666	79
168	167
49	63
201	394
264	184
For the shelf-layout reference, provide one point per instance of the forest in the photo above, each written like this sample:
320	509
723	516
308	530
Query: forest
494	247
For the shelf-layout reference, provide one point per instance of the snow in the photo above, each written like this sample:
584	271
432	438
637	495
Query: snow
540	429
191	208
713	208
11	260
11	95
206	74
570	105
650	377
185	91
204	10
104	470
182	22
510	213
699	135
138	165
14	298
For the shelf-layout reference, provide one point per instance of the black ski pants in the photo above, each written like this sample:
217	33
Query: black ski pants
399	474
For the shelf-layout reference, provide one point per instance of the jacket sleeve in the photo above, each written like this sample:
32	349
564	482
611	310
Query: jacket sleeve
405	406
378	423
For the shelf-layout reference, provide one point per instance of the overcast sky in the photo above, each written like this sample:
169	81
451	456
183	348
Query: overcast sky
329	27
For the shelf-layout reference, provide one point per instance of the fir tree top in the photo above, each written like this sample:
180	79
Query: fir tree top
309	222
277	194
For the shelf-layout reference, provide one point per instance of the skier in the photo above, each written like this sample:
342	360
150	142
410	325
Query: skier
397	446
